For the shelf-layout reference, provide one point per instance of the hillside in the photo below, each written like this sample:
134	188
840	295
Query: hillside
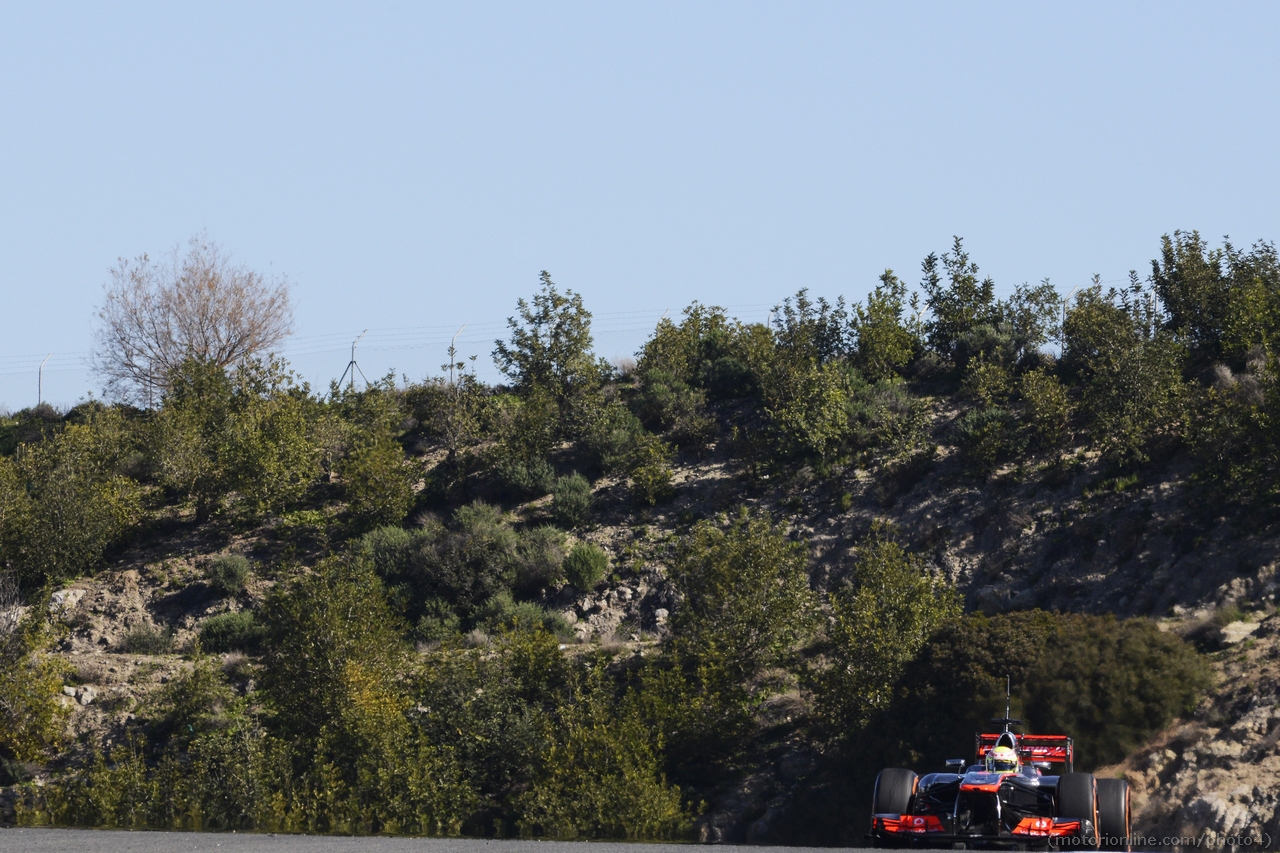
704	595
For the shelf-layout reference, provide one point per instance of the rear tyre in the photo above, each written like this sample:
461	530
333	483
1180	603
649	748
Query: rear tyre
894	790
1113	814
1078	799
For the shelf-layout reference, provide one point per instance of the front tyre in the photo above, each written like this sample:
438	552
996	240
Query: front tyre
1078	800
1113	814
894	789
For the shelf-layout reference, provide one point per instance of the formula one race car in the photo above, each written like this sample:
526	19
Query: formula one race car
1006	800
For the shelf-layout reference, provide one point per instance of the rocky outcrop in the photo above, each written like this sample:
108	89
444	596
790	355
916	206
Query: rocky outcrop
1216	775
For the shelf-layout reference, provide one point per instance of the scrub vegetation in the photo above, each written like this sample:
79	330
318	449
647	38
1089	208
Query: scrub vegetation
394	576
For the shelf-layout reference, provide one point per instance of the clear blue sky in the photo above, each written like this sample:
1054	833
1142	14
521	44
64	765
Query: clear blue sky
411	167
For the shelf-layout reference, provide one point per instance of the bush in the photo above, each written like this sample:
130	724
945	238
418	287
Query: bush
61	506
463	564
231	632
531	477
609	438
666	404
227	574
571	500
986	437
323	630
438	621
31	718
503	611
377	483
1109	683
540	557
146	640
586	565
878	625
651	471
600	776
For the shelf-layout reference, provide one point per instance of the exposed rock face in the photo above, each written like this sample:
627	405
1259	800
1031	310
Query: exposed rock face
1216	775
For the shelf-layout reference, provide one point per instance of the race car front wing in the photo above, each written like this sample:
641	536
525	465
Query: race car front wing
929	830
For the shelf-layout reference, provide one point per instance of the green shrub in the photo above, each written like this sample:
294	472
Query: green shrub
878	625
329	627
651	471
503	611
146	640
609	437
540	557
667	405
31	718
377	483
532	477
243	435
1109	683
986	437
586	565
386	547
571	500
61	506
227	574
600	776
231	632
439	621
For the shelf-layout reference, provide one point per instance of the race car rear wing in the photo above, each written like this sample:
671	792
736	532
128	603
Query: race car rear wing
1056	749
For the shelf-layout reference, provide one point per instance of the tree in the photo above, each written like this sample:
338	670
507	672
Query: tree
878	626
245	433
960	304
62	505
744	605
328	628
550	344
200	305
885	343
31	720
1131	367
1220	303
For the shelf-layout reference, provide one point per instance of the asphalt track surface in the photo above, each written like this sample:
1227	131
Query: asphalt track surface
123	841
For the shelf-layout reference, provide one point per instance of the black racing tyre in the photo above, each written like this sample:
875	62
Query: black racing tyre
894	789
1113	814
1078	799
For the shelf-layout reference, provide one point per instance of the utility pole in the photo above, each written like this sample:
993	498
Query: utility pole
40	381
453	357
1062	324
353	367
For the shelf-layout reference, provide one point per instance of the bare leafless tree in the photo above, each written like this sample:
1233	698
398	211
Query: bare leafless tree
198	304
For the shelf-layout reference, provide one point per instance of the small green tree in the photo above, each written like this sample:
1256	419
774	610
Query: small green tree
650	470
61	506
31	720
600	776
550	344
807	408
878	626
1047	408
744	604
377	481
886	342
744	595
586	565
571	500
247	435
328	621
957	305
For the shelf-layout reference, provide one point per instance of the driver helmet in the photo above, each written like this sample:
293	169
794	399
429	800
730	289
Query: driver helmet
1002	759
